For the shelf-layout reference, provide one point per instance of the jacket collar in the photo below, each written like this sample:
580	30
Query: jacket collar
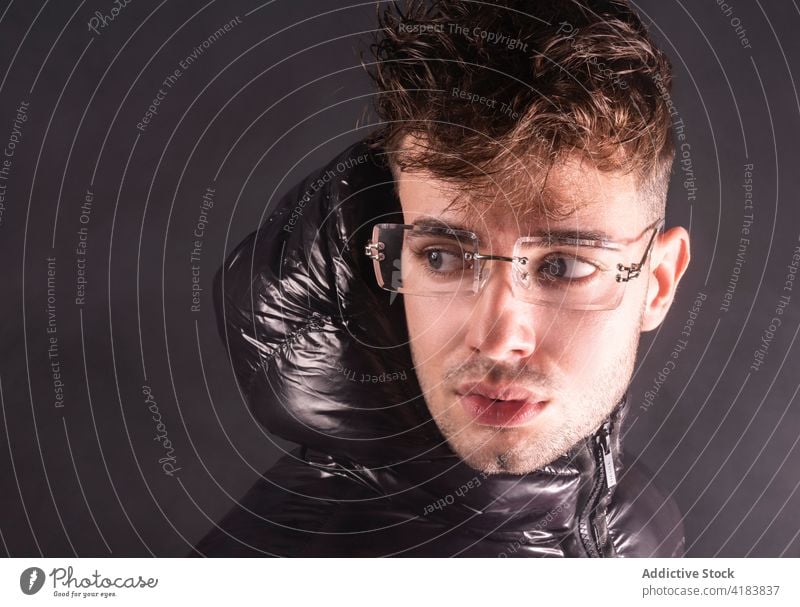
443	487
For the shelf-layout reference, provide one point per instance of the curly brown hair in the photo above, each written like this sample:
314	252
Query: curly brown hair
493	94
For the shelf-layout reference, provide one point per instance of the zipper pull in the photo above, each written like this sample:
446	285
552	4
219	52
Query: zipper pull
607	455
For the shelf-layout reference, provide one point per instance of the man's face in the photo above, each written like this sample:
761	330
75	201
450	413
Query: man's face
577	363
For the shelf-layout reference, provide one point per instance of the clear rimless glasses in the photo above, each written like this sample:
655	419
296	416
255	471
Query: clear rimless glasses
552	270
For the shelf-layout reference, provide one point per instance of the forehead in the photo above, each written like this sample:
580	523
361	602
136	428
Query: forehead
584	198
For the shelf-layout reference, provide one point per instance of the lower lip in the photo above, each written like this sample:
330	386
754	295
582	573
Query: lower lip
502	413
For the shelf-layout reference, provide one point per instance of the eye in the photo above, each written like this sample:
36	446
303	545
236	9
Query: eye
565	267
443	261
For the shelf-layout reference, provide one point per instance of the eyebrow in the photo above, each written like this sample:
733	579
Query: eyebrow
554	236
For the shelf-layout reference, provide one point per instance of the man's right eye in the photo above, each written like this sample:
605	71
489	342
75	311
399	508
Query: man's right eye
443	261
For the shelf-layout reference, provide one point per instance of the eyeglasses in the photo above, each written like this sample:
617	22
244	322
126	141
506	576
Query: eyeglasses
550	270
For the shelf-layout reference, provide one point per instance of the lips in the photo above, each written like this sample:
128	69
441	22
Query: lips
499	405
498	392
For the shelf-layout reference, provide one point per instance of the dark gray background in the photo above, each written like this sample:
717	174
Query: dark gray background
259	109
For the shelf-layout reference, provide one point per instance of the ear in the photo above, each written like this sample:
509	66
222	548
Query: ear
670	257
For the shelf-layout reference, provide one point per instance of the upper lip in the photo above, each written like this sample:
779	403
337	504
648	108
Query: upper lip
498	391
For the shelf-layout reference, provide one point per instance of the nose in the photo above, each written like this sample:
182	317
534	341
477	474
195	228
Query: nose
501	326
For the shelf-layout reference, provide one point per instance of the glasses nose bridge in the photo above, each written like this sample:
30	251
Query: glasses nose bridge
483	274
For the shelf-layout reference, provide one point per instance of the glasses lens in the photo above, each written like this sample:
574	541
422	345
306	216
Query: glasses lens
425	260
572	276
434	262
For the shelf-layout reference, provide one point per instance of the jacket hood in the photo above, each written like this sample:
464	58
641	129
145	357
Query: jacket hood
321	352
319	349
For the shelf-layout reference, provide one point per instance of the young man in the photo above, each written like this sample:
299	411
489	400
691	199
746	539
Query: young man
446	317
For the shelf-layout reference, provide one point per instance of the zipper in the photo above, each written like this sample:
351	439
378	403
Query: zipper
605	477
607	456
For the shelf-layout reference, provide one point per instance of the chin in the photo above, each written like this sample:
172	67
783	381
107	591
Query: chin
503	451
499	462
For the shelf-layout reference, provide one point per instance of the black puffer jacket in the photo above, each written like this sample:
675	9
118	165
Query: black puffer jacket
321	354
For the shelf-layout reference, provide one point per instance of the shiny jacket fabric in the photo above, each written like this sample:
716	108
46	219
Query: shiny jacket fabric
321	355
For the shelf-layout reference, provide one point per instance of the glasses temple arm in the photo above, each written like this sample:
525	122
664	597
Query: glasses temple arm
650	244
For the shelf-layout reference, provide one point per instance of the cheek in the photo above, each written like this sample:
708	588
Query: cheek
434	322
587	344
